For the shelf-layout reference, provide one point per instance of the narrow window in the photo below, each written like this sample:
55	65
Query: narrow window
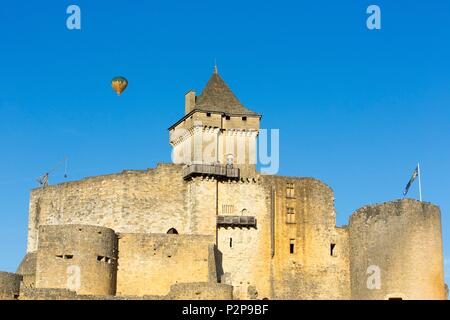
231	242
292	246
332	246
290	190
290	215
68	256
244	118
208	114
227	117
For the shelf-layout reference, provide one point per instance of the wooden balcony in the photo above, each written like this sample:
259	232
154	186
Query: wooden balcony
236	221
215	170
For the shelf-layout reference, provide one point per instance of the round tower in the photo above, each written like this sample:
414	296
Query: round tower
396	251
80	258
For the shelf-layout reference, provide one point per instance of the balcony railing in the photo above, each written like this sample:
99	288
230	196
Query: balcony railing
236	221
216	170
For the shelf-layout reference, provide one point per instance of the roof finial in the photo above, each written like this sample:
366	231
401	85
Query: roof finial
216	71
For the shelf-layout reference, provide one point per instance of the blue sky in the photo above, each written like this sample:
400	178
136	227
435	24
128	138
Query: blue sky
360	107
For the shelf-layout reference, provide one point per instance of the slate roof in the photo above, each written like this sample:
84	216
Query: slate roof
217	96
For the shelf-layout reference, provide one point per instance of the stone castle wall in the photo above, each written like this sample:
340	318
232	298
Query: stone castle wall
295	251
200	291
67	253
403	239
257	261
149	266
303	266
9	285
179	291
245	251
113	229
150	263
149	201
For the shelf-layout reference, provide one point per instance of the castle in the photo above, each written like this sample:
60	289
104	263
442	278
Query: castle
209	226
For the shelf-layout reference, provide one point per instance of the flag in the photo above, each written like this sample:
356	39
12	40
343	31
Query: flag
410	182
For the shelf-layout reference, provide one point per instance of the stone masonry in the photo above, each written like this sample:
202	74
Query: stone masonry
209	226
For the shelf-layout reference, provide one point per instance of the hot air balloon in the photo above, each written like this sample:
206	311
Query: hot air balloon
119	84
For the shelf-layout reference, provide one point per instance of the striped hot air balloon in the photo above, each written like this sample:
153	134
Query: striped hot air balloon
119	84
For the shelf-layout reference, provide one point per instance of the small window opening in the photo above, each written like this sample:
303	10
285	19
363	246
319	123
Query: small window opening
172	231
100	258
59	256
231	242
244	118
332	246
290	190
208	114
68	256
227	208
227	117
292	246
290	215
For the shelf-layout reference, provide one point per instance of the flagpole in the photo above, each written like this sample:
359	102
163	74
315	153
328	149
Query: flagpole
420	182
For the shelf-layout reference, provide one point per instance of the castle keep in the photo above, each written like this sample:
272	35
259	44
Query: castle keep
209	226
